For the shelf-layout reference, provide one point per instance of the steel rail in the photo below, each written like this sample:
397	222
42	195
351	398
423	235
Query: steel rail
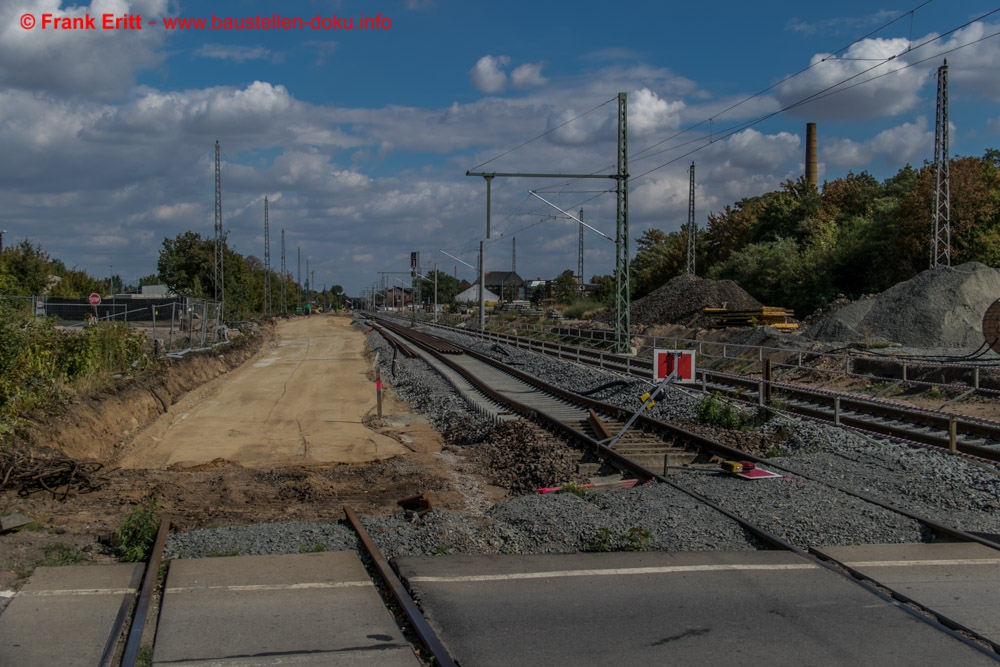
920	612
439	654
146	595
898	412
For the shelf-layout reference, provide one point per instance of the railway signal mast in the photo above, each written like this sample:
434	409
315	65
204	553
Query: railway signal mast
941	240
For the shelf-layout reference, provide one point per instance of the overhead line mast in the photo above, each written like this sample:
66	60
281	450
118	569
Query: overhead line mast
941	241
220	240
622	296
284	276
691	229
267	262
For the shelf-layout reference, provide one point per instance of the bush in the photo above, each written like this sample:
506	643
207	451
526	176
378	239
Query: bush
138	531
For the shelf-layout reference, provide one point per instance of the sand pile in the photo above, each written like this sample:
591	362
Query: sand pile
683	298
940	307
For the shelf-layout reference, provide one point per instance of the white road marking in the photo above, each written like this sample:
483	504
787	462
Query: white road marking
77	591
614	572
239	588
913	563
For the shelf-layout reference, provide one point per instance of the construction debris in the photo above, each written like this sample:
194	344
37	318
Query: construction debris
32	471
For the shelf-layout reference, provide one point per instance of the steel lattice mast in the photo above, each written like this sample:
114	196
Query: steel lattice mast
692	230
623	299
220	241
579	251
267	262
284	276
941	241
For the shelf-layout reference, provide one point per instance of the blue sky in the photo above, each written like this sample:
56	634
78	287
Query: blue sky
361	139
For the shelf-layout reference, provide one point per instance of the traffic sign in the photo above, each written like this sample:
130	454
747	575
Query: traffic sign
95	299
666	362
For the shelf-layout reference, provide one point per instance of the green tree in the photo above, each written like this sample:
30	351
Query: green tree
187	264
447	287
659	258
564	287
28	266
605	292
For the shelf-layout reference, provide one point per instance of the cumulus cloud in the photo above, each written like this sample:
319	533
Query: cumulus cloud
908	143
97	64
877	96
528	75
488	75
972	69
649	113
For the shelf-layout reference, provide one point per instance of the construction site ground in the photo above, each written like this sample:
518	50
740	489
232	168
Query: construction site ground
289	434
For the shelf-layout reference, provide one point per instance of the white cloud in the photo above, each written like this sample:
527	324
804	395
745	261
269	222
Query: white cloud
528	75
972	70
239	54
649	113
908	143
98	64
488	75
887	95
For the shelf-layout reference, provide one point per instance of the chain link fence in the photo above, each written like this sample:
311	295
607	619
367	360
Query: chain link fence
171	325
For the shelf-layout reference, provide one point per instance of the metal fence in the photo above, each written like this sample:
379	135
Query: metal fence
171	324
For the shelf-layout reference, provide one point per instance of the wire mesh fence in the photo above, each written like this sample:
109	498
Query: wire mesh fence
170	324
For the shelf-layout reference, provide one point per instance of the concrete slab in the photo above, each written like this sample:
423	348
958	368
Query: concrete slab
711	608
960	581
311	609
64	615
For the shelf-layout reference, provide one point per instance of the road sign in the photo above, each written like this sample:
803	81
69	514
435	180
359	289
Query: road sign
665	361
95	299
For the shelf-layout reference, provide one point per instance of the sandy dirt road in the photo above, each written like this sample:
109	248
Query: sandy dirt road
301	402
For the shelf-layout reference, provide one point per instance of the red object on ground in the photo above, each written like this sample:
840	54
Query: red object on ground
757	473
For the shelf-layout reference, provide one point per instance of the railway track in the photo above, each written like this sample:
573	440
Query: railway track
950	431
594	424
134	611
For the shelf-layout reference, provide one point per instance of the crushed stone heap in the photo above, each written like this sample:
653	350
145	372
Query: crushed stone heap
939	308
684	297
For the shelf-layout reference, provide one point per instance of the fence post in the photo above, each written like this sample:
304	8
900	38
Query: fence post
173	314
204	322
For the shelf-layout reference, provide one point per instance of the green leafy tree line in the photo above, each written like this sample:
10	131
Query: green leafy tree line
800	246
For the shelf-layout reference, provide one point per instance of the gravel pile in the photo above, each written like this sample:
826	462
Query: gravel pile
954	490
684	298
939	308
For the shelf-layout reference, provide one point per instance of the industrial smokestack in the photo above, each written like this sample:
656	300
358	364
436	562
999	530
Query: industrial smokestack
812	170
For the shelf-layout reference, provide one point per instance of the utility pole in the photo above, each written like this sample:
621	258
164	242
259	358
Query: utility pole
941	242
2	232
579	252
220	240
298	277
691	229
267	262
284	276
513	255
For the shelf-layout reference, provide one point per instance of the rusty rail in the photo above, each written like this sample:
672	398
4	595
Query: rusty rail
439	654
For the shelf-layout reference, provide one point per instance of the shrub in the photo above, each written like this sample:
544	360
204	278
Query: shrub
138	531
